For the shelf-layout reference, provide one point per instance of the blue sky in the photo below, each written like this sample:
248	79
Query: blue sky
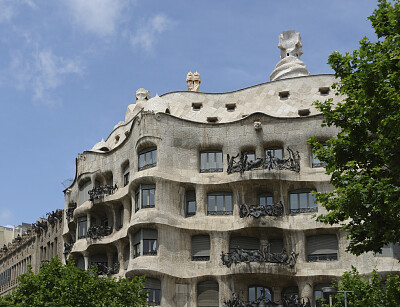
69	69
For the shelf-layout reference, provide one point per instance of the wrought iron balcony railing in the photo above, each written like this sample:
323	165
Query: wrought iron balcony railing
98	231
304	210
322	257
261	210
104	269
200	258
101	191
238	255
69	213
240	163
219	212
150	165
211	170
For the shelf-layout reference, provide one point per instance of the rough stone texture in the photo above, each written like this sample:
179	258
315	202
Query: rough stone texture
179	138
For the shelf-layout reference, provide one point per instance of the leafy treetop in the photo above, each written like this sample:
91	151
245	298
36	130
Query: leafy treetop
66	285
364	158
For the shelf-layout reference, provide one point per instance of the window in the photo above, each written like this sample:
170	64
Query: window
147	158
145	242
212	120
291	296
220	203
210	161
276	246
120	217
318	294
315	161
84	192
390	250
190	203
302	201
145	196
153	287
230	107
322	248
251	155
324	91
207	294
259	292
265	199
274	152
284	95
248	243
82	227
126	175
201	248
197	106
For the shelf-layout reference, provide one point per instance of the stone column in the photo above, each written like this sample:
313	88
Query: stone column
127	203
201	201
133	205
120	251
86	258
306	290
110	255
277	291
115	221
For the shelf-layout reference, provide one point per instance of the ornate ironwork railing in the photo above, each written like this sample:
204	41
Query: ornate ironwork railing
240	162
261	210
200	258
322	257
150	253
304	210
69	213
211	170
150	165
68	248
318	164
209	212
256	255
294	301
101	191
104	269
98	231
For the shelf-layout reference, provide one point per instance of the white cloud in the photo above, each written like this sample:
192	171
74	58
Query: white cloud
42	72
97	16
146	35
5	216
7	10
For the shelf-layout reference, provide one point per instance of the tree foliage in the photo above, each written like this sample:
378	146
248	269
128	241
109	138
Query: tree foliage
66	285
368	290
364	158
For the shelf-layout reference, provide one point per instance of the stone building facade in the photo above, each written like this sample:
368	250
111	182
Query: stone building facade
41	242
210	195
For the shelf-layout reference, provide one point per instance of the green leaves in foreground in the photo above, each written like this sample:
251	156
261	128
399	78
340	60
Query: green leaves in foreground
364	158
368	290
66	285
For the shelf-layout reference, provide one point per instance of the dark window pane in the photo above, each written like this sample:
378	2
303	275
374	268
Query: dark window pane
152	201
220	203
228	203
211	203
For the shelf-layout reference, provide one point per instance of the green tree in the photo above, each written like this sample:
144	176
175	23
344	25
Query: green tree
364	158
66	285
368	290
